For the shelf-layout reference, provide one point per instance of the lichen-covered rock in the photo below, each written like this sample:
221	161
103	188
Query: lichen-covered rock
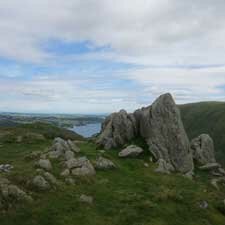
117	129
103	164
44	164
167	138
75	162
86	169
40	183
203	149
69	155
63	148
130	151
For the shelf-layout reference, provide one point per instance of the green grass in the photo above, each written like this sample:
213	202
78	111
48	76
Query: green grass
206	117
129	195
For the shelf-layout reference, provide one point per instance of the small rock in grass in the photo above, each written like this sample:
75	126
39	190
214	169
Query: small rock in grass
40	183
203	204
6	168
44	164
86	199
131	151
104	164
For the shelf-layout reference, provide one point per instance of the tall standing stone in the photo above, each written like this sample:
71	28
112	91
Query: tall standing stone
166	135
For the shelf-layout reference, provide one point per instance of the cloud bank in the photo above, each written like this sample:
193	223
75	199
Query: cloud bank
103	55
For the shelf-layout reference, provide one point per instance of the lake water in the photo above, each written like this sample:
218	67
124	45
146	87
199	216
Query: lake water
87	130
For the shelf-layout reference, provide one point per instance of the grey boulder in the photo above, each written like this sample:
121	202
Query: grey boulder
117	129
85	169
103	164
69	155
44	164
40	183
203	149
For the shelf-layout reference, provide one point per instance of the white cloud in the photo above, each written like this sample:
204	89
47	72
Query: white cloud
166	36
150	31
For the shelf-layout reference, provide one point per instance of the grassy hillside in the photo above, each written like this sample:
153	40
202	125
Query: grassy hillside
206	117
132	194
29	131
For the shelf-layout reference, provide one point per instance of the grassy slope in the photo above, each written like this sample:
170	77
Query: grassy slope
49	131
206	117
130	195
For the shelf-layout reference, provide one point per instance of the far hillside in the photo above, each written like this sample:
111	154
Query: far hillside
34	132
206	117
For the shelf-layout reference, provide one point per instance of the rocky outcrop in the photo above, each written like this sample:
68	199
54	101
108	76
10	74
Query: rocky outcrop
166	137
117	129
202	149
159	124
130	151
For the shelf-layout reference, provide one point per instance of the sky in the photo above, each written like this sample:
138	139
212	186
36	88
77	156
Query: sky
99	56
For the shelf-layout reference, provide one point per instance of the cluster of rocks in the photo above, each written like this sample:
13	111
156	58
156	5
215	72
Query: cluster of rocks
160	125
66	153
80	166
62	148
10	194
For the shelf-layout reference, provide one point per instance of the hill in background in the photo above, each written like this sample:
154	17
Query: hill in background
206	117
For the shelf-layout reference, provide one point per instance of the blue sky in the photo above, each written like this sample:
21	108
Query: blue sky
100	56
